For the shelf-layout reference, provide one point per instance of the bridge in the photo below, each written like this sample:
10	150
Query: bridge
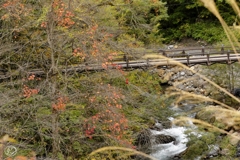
172	57
207	56
169	57
181	56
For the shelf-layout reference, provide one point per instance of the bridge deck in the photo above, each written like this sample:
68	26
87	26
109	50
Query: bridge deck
172	57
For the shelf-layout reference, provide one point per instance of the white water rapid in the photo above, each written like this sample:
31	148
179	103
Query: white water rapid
169	150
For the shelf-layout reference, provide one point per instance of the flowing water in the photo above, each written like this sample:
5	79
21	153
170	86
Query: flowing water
169	150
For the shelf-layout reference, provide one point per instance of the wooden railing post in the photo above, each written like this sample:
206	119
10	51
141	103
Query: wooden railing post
228	57
188	59
125	58
203	50
183	52
147	62
164	53
222	49
208	57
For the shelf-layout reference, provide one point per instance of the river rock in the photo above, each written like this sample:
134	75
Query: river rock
214	151
225	152
198	83
157	127
166	77
161	72
181	78
181	86
189	73
182	73
234	139
163	139
175	70
189	89
143	141
238	150
166	124
177	74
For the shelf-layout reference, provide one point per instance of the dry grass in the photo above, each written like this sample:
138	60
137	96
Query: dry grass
116	153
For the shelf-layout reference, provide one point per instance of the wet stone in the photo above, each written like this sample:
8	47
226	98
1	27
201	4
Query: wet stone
214	151
182	73
143	141
163	139
166	124
238	150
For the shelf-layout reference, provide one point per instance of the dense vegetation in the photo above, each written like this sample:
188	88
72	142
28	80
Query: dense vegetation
190	19
67	115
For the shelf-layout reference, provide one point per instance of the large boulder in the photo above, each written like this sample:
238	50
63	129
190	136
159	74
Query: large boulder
163	139
143	141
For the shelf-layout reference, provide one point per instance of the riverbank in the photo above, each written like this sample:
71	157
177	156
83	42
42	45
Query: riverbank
218	138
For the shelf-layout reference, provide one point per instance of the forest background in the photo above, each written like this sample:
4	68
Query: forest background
69	115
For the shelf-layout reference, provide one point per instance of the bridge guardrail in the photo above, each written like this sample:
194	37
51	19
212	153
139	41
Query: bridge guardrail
172	53
218	56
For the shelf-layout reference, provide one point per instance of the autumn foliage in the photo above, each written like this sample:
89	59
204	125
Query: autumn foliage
57	110
60	104
62	15
27	91
109	118
14	9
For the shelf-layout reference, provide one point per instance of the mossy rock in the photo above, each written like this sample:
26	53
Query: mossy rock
227	148
198	146
220	117
195	150
205	115
143	141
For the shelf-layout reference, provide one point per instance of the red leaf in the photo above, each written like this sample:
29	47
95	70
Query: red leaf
126	81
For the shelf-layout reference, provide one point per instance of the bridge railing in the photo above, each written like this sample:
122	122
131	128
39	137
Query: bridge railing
196	51
188	55
178	53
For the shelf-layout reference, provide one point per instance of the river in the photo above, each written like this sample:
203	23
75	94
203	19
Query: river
170	151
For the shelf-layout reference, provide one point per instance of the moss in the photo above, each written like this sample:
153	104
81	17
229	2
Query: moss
209	138
225	144
195	149
198	146
219	125
149	82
